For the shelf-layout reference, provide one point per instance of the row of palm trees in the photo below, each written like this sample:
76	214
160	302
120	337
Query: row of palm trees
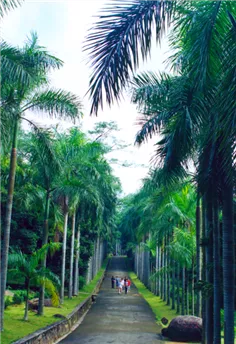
192	109
66	173
162	234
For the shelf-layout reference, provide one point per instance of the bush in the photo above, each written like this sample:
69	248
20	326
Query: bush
19	297
7	301
82	282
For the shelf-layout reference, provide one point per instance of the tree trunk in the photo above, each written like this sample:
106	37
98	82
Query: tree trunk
63	267
198	257
157	276
162	274
72	256
228	263
204	268
209	266
165	274
76	278
44	242
7	228
192	288
27	286
173	285
183	292
187	292
178	290
168	274
216	260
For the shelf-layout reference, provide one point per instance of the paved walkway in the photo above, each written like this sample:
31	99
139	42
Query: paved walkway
117	319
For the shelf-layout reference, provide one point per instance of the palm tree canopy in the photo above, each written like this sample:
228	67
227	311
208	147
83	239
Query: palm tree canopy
7	5
123	33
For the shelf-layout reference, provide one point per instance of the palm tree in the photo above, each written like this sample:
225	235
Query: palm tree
7	5
19	99
34	274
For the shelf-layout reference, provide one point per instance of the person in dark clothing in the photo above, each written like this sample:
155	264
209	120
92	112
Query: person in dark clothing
113	282
126	285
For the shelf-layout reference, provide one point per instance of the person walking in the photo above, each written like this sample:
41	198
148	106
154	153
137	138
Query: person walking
113	280
117	282
129	285
121	285
126	285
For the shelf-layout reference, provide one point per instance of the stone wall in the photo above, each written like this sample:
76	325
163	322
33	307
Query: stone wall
53	332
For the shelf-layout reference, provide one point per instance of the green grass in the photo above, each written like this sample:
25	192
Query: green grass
158	306
15	328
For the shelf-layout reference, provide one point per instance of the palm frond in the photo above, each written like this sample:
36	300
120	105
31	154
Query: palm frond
7	5
56	103
37	57
13	68
123	33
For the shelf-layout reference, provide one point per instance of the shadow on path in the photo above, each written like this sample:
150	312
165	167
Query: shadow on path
115	318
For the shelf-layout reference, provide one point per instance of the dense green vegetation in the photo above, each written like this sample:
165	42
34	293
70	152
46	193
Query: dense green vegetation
58	190
192	109
13	313
179	228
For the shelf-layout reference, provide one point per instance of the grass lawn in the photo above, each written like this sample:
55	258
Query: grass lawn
158	306
15	328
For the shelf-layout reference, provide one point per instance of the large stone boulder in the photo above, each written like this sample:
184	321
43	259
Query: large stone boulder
34	304
184	329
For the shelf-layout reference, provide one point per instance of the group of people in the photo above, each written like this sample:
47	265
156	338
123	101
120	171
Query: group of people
121	284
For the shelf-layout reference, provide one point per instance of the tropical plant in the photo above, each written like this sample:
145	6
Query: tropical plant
188	109
34	274
18	98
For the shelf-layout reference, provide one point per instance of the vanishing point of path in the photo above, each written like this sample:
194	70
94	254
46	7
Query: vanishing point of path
117	319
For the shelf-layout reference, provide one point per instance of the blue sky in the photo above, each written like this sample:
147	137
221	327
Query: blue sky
62	27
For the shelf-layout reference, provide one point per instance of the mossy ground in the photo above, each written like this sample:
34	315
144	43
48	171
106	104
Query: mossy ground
15	328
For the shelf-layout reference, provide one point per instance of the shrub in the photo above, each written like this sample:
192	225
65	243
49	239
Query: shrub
82	282
7	301
19	297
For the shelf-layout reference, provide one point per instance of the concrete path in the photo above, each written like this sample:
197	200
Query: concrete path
117	319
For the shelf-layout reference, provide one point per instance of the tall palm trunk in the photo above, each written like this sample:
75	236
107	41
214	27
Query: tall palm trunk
168	272
162	273
159	265
173	285
76	278
7	228
72	256
183	292
209	265
44	242
187	292
198	256
217	296
63	267
192	288
228	263
204	268
178	289
165	273
27	287
157	275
